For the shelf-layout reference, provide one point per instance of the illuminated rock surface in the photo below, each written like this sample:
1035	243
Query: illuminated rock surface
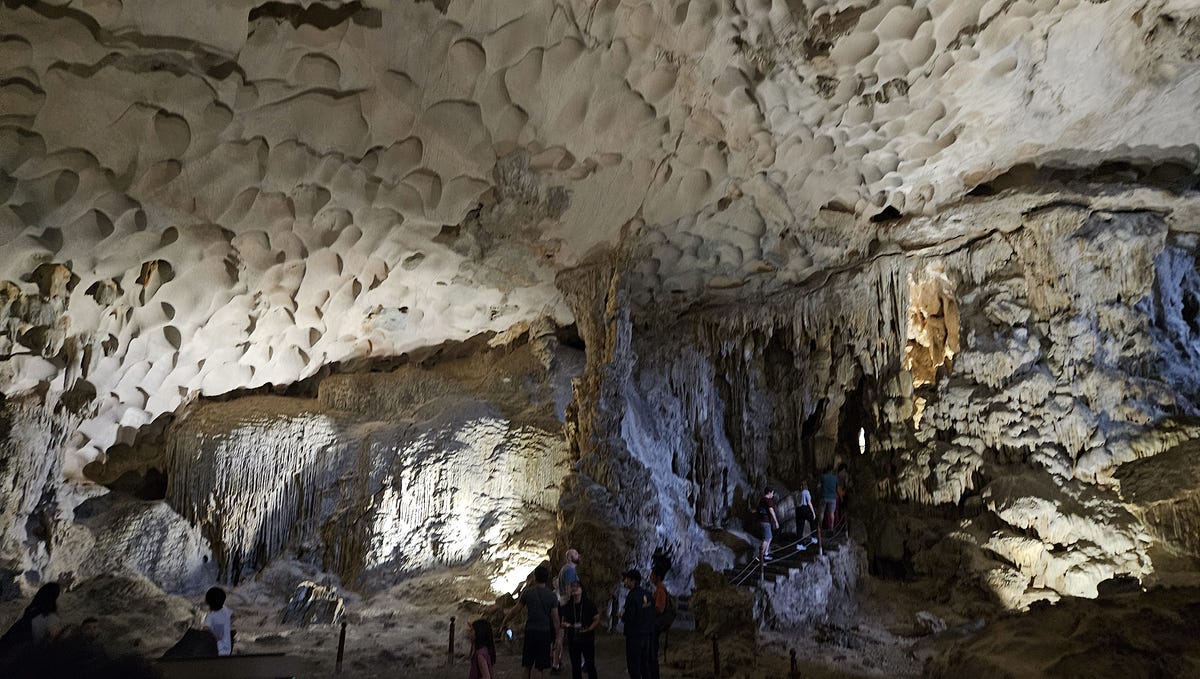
266	269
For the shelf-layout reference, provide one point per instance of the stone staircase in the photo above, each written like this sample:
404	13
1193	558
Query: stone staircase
790	555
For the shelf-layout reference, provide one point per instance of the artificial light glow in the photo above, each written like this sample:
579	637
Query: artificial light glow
862	441
516	565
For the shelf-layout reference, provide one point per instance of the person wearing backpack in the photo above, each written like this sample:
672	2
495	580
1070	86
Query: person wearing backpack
664	610
637	616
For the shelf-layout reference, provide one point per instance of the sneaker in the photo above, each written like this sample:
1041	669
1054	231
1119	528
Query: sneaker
767	557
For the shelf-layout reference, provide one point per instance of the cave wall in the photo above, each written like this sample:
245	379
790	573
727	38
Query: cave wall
384	474
1001	383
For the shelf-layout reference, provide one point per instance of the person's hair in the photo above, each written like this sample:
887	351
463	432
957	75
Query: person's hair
215	598
46	599
633	575
843	466
804	485
767	490
541	575
483	637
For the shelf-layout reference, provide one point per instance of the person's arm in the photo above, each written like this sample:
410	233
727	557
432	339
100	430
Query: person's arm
774	520
595	623
558	630
660	599
510	615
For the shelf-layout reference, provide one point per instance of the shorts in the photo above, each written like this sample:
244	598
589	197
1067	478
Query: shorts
535	652
767	535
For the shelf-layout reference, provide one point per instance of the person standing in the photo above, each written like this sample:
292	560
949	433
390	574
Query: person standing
662	618
767	518
568	575
829	497
541	623
844	485
219	620
483	650
638	619
807	516
580	619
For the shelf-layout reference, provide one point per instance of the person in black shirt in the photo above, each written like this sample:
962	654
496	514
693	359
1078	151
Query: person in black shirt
580	619
638	618
541	623
766	517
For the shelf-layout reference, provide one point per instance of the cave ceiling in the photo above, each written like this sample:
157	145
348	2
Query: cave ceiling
199	198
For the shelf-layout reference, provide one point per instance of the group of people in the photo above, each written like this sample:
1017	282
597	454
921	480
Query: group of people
40	626
566	619
835	489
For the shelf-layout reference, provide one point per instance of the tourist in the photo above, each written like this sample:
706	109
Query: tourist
661	598
767	518
829	497
541	623
38	624
219	620
483	650
580	619
638	618
844	484
568	575
806	516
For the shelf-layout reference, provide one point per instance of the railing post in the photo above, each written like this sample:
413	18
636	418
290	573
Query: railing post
341	649
794	672
450	647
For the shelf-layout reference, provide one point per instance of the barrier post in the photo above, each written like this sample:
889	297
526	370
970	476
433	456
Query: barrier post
450	647
341	653
716	659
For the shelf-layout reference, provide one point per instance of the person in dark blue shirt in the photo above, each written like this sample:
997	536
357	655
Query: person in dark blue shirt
829	497
638	617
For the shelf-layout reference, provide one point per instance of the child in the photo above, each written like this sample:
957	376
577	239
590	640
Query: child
219	620
483	650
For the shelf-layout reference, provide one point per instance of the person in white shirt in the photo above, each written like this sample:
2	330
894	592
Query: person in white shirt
219	620
806	518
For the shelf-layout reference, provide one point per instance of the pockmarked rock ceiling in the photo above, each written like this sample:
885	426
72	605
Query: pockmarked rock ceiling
202	198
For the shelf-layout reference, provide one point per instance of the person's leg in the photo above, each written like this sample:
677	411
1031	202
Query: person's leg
633	657
542	649
766	545
529	654
575	651
587	649
645	653
652	656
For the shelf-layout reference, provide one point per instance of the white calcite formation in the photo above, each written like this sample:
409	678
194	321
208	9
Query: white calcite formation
382	474
963	228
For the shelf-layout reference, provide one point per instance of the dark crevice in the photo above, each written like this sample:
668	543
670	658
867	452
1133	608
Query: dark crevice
210	62
1175	175
321	17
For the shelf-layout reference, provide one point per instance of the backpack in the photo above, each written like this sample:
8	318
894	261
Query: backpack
665	619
